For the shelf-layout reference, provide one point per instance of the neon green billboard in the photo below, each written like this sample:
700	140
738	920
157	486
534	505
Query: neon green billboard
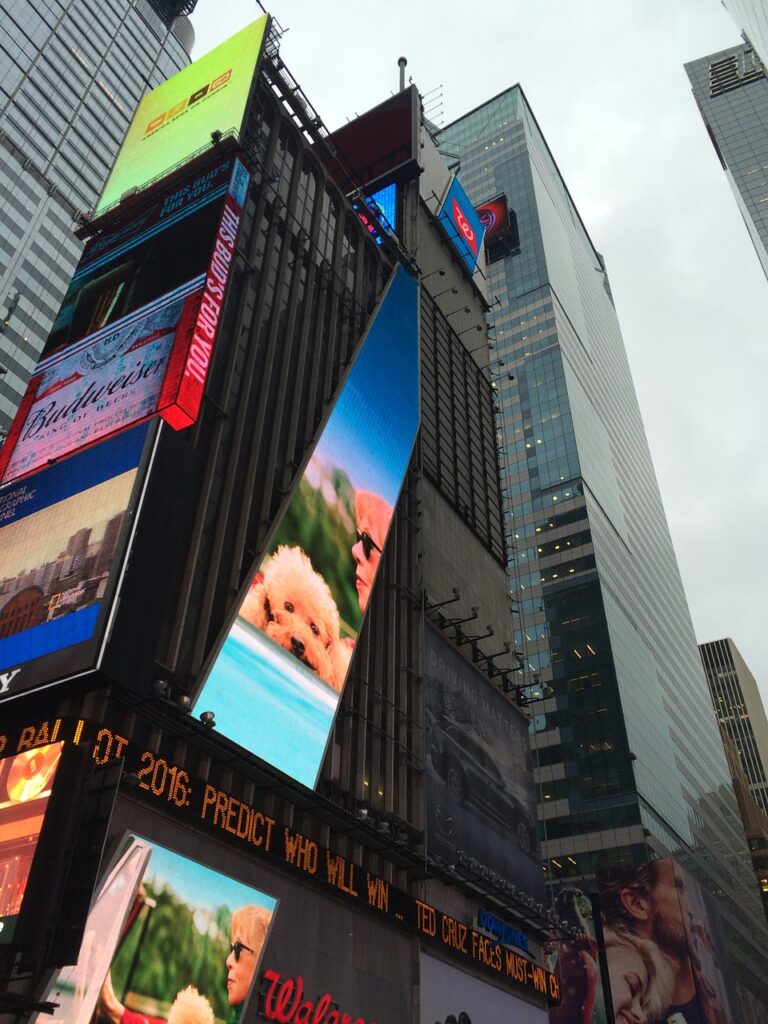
176	119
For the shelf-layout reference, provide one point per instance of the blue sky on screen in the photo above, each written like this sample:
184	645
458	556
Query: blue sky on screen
371	429
199	886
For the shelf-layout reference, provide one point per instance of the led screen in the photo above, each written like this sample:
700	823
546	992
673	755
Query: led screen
61	542
481	799
664	946
136	329
464	227
175	120
494	216
276	681
158	943
575	961
448	996
386	201
26	781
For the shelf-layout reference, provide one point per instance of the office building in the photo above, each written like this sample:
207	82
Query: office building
751	16
630	765
739	709
412	859
72	74
731	91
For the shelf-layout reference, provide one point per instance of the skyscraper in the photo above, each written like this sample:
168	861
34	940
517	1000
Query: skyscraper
71	75
731	91
739	709
752	18
630	763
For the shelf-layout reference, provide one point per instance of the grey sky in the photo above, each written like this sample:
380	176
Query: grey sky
606	81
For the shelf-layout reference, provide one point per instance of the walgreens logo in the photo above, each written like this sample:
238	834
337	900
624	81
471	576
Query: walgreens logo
466	230
283	1001
185	104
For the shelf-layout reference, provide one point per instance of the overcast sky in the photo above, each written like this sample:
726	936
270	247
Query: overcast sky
606	81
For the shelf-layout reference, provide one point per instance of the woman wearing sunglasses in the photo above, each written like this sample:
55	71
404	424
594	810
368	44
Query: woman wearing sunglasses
249	931
373	516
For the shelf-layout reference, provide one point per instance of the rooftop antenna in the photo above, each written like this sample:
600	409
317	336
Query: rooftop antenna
401	63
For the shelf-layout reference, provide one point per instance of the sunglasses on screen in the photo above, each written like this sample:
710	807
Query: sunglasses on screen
368	544
237	948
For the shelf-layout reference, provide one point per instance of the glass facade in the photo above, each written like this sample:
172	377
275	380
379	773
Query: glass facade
752	18
731	91
630	763
71	74
739	710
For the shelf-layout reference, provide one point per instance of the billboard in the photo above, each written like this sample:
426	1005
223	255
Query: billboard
175	120
275	683
481	799
494	216
575	961
449	996
26	783
166	939
664	946
135	333
63	533
463	225
383	141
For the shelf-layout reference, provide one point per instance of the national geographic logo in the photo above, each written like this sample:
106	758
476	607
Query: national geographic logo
179	108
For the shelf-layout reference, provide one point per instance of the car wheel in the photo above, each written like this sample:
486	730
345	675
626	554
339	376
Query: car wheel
523	836
454	780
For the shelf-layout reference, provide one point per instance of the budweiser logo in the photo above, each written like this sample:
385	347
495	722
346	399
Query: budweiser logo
283	1001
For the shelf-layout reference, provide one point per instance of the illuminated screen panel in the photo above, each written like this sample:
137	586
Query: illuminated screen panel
480	793
576	962
62	535
276	681
176	119
463	225
494	216
657	920
157	907
26	782
135	332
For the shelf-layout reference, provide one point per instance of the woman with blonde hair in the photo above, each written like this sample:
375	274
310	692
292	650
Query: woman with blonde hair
642	978
249	932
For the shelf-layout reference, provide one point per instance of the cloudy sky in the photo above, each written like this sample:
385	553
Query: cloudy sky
606	81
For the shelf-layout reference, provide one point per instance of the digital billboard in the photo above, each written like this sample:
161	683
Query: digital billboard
575	961
26	782
175	120
276	681
480	794
136	330
494	216
664	946
450	996
62	537
167	939
462	223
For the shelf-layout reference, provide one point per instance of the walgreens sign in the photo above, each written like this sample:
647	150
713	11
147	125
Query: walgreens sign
283	1001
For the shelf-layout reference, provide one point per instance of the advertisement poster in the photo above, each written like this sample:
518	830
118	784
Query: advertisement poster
167	939
26	782
175	120
276	681
664	946
576	962
464	226
481	799
137	326
62	535
449	996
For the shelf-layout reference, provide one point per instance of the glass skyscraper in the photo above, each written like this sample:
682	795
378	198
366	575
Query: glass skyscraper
71	75
630	762
752	18
731	91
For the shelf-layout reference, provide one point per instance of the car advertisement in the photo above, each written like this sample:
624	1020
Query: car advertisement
62	537
275	683
136	330
481	799
175	120
463	225
664	946
449	996
26	782
167	939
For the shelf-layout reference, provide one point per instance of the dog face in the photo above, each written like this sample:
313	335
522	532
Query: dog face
294	606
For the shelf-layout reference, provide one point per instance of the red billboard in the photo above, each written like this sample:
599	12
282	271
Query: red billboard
136	330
